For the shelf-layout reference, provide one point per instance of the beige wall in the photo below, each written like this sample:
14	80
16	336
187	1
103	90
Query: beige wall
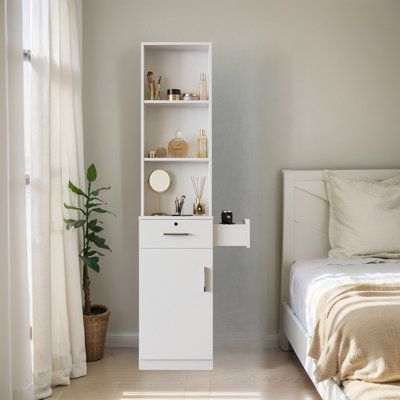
297	84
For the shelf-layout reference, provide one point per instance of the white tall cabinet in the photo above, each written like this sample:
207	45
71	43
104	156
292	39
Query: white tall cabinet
176	253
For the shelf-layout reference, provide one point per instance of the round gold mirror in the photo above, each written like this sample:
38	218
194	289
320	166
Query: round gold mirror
159	181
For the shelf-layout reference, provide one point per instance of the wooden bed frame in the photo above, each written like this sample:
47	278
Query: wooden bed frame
305	236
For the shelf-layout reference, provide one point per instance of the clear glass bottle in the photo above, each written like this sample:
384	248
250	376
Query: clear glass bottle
203	87
161	152
202	144
177	147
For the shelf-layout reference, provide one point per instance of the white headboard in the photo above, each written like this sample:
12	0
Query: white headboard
305	216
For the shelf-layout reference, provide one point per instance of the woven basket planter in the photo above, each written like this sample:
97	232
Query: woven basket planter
95	333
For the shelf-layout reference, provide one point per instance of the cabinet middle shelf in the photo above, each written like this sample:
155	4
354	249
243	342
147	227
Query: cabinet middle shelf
177	103
183	159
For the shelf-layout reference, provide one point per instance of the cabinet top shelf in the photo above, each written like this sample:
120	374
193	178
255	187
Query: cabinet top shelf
177	46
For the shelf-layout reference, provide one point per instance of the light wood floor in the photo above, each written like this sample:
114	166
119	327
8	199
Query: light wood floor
239	374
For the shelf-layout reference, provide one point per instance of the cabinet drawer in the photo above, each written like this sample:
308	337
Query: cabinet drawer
232	235
179	233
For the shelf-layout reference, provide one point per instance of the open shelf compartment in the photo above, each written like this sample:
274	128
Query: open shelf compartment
232	234
180	65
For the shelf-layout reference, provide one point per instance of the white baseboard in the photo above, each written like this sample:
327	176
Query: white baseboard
268	342
128	339
131	339
271	342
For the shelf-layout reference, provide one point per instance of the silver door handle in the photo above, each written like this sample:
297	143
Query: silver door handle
176	234
206	279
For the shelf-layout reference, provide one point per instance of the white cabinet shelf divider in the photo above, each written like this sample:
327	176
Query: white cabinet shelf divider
168	159
177	103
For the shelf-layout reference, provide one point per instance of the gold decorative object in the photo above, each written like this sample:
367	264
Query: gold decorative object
150	85
190	96
158	89
159	181
173	94
202	144
161	152
177	147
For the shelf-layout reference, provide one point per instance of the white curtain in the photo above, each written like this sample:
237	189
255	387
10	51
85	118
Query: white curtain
57	156
15	356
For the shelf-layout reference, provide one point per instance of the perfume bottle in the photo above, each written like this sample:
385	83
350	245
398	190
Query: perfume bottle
202	144
161	152
177	147
203	87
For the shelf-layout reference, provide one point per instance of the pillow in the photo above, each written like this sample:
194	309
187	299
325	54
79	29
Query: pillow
364	216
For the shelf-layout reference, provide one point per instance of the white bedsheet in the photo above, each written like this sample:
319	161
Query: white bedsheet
310	279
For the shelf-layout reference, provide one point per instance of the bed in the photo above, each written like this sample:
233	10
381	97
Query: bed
306	271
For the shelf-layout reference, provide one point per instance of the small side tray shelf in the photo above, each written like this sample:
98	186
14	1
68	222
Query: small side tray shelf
232	235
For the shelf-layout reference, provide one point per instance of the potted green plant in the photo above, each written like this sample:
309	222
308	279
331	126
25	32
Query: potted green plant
95	316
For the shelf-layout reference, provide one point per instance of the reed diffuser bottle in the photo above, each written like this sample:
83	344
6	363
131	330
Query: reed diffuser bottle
199	208
202	144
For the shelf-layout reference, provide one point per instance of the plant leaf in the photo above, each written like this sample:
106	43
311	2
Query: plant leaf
92	225
102	211
76	190
69	223
91	174
96	198
97	191
97	240
91	262
79	223
93	237
75	224
74	208
92	222
96	228
103	246
93	252
91	205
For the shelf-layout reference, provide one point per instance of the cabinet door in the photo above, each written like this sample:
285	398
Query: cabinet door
175	304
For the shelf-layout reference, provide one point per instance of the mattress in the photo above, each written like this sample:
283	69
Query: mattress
311	279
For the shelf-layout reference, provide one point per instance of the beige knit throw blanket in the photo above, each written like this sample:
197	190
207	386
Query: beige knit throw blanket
357	336
358	390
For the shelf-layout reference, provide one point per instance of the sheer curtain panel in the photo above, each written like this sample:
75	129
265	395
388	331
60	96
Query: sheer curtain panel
15	356
57	157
